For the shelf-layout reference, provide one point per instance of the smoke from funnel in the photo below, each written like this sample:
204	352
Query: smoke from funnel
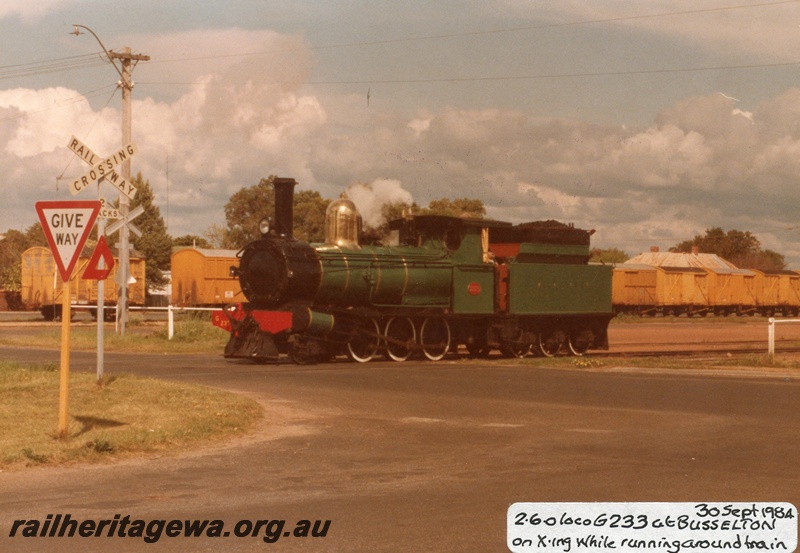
371	197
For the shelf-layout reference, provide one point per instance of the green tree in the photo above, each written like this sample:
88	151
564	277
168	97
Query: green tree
741	248
11	249
191	240
248	206
34	234
219	237
460	207
154	244
609	255
309	216
396	210
244	211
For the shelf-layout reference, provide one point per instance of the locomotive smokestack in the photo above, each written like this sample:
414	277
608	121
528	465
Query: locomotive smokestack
284	205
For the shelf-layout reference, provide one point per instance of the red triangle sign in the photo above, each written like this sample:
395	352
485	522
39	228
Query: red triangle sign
93	271
67	225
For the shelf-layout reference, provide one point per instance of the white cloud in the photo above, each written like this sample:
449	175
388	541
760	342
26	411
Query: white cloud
41	119
702	162
747	28
30	11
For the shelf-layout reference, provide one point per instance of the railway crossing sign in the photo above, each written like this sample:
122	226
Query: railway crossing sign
67	225
102	168
126	220
107	211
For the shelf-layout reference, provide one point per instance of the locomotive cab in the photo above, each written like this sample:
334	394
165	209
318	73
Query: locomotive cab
465	241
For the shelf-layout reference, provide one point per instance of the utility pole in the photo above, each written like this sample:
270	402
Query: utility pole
126	59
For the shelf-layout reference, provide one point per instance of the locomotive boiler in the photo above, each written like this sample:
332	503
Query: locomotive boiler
445	282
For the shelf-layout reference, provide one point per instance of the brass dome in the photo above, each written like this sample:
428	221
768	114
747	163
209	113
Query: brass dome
342	224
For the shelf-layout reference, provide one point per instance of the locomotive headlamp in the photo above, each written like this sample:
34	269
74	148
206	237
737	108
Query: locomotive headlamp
264	226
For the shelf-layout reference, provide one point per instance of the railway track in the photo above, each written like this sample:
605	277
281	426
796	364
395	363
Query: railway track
728	347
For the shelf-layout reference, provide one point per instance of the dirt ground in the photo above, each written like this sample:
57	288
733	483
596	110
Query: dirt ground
696	335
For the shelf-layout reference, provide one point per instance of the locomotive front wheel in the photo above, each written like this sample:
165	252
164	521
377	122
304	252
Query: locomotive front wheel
549	343
579	342
298	354
400	338
434	337
364	344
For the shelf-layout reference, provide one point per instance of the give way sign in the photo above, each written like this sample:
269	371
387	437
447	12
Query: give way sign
67	226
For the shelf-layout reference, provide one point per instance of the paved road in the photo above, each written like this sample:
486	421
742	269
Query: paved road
423	457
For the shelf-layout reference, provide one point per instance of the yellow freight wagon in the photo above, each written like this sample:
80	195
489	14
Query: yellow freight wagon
790	292
777	291
649	290
202	277
42	284
684	291
633	288
732	291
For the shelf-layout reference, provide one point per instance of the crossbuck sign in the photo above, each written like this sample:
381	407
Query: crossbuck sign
102	168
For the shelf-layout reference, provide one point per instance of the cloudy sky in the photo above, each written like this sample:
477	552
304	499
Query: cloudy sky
647	121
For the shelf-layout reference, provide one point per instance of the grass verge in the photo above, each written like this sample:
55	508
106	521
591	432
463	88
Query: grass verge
627	318
191	336
123	417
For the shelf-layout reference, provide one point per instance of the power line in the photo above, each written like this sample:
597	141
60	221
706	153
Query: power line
50	66
96	59
530	77
490	31
564	24
571	75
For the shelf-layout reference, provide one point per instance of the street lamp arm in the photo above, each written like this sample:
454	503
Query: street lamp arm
77	32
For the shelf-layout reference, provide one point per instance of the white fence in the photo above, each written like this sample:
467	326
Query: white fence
771	332
170	309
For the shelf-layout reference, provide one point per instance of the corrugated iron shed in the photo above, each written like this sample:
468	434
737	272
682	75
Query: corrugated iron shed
698	260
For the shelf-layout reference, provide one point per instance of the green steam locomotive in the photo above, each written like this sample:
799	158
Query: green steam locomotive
446	282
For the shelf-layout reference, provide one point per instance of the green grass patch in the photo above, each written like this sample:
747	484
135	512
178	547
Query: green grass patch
125	416
191	336
628	318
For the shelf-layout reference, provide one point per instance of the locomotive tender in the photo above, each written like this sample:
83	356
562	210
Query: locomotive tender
450	281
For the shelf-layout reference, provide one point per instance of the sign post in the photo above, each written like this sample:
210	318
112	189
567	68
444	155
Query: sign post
98	268
67	226
63	383
104	169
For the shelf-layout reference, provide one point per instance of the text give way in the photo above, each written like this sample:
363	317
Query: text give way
66	226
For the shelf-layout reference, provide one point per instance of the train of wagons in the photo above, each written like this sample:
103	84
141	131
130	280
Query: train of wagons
41	284
698	284
448	282
199	278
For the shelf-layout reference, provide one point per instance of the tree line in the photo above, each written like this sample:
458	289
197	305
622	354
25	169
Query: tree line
246	207
741	248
